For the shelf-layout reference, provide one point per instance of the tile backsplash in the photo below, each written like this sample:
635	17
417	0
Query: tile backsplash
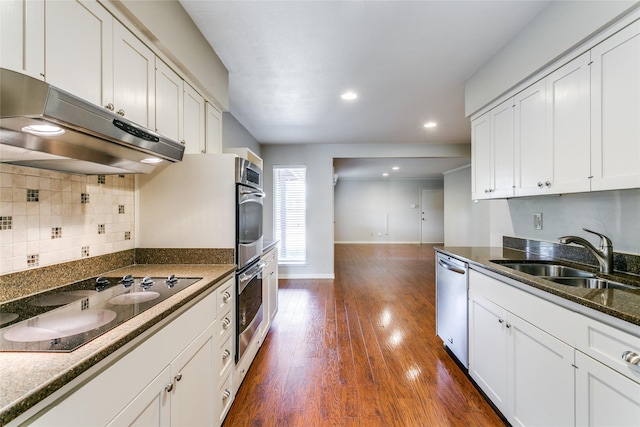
49	217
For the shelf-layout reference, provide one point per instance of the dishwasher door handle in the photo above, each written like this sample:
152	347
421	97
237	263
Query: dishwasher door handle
451	267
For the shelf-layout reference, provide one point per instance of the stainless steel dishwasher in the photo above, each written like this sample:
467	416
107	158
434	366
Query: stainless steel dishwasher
451	305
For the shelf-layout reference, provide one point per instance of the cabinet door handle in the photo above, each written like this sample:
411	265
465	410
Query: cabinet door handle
226	353
540	184
110	107
169	388
508	325
179	376
500	320
226	297
120	112
632	358
226	322
547	184
226	394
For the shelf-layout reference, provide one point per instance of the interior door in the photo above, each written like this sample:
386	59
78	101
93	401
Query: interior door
432	216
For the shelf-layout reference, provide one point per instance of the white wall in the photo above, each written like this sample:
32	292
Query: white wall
379	210
318	158
235	135
560	27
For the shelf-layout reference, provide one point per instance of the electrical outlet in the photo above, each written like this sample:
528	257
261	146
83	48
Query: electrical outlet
537	220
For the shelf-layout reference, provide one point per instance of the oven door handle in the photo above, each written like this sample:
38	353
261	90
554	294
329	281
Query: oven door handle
245	278
253	193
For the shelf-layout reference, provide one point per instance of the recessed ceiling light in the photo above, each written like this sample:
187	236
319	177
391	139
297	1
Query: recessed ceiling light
385	174
151	160
395	168
43	130
430	124
349	96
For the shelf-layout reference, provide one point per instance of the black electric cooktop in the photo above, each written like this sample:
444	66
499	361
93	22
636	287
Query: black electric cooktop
65	318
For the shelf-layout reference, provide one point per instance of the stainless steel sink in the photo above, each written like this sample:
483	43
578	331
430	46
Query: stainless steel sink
591	283
547	270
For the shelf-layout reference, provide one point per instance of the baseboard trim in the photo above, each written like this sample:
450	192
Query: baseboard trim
306	276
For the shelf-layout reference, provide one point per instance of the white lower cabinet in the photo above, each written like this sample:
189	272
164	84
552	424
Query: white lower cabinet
605	397
545	365
181	394
520	367
269	290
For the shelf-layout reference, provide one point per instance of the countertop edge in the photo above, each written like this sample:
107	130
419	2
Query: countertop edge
481	257
153	317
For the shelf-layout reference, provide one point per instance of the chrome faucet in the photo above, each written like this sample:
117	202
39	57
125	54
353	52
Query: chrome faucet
604	255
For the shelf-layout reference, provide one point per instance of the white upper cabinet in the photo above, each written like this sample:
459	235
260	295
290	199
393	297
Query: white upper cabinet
213	129
568	132
492	144
79	48
615	111
502	133
481	157
194	119
93	56
552	132
22	36
531	148
133	78
169	104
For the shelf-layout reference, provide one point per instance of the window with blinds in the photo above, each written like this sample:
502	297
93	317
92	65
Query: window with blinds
289	213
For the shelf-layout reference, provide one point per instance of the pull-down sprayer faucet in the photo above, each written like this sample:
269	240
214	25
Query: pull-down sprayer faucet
604	255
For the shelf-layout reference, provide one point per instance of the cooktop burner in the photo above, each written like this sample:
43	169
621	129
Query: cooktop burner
63	319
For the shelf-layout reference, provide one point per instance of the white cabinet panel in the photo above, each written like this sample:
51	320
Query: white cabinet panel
488	349
150	408
604	397
532	151
502	149
481	157
133	78
169	105
194	119
214	129
541	375
79	49
22	36
615	109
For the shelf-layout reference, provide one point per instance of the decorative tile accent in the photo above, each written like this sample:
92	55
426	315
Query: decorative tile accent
56	232
127	235
120	209
6	222
85	251
101	229
33	260
33	195
84	198
102	179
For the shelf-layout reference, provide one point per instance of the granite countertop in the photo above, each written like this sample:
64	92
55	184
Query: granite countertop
28	378
621	304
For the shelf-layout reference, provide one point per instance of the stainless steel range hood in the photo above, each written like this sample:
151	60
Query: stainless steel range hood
44	127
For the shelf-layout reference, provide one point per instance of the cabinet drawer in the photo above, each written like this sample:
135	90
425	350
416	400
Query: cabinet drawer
608	345
224	358
224	325
225	296
225	396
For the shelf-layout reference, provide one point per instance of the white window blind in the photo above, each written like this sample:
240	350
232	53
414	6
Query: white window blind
289	213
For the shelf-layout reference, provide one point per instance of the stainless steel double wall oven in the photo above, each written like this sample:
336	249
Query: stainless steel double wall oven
249	203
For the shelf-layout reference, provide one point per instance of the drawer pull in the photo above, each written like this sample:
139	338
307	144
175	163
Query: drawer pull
226	322
632	358
226	297
226	353
226	394
169	388
179	376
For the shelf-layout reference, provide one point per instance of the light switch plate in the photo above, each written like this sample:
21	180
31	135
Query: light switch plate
537	220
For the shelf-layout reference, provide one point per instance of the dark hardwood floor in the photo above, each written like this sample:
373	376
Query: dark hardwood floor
360	350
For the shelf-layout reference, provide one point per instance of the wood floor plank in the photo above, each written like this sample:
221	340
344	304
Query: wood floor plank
360	350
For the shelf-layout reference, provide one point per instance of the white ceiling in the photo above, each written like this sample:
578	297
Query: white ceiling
289	61
408	168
